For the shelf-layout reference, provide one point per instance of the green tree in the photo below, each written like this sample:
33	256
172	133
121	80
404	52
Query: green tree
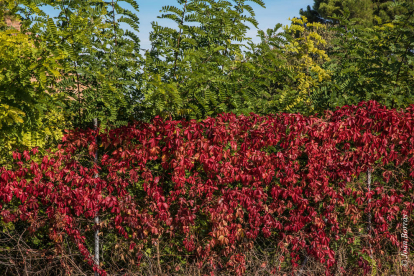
371	64
59	73
364	12
194	71
200	70
101	68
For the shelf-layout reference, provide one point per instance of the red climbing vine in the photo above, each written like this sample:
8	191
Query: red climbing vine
217	185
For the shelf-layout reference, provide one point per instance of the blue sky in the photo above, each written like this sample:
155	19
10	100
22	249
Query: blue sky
276	11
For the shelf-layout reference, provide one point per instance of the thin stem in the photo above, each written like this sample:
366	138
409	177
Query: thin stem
369	199
96	219
158	255
179	38
113	22
369	172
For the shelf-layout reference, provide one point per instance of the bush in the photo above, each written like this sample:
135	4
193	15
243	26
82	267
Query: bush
329	188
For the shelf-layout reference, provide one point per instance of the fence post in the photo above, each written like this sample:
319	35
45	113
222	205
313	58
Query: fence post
369	199
96	219
369	177
302	266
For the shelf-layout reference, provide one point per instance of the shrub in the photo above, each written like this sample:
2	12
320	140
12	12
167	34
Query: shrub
211	189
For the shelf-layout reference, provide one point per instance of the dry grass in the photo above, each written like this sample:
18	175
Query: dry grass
17	258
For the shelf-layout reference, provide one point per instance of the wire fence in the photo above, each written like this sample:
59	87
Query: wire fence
20	255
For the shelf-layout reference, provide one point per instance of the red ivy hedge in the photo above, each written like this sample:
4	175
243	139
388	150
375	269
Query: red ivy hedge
219	184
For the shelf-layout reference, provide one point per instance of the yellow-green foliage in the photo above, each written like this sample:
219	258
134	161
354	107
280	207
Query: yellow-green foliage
29	108
304	55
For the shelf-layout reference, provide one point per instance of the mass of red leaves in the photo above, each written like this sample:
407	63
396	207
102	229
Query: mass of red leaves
284	177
